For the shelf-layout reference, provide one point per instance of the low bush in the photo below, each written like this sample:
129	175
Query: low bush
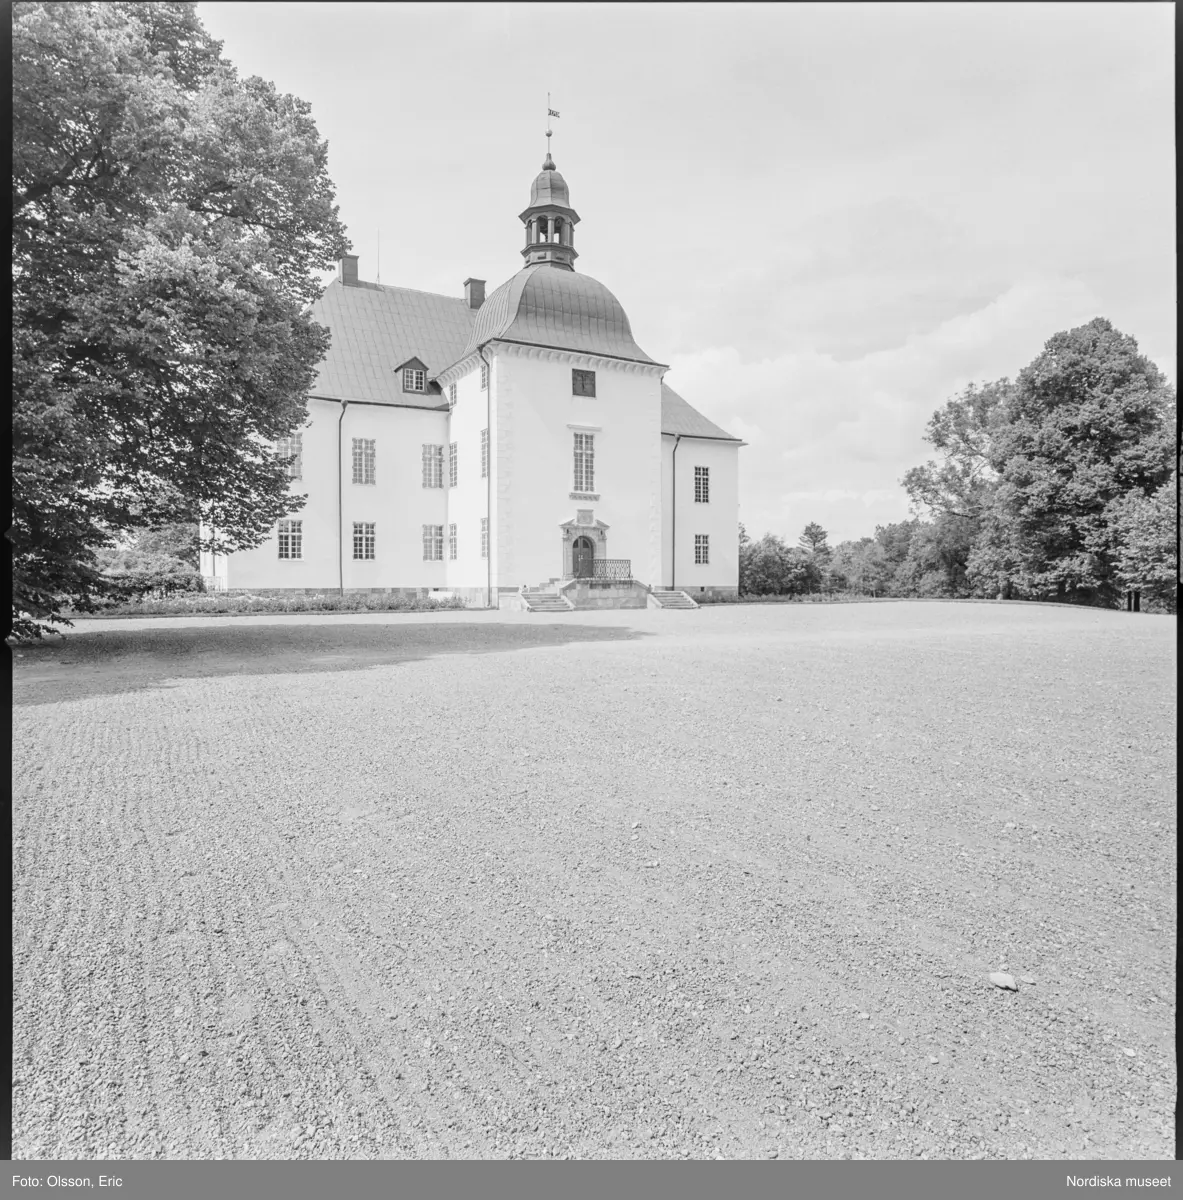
806	598
198	603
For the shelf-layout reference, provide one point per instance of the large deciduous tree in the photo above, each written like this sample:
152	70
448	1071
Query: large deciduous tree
1087	424
170	224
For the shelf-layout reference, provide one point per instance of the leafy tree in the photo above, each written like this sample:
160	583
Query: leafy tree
813	538
858	566
162	560
1146	553
961	483
170	222
769	567
1088	423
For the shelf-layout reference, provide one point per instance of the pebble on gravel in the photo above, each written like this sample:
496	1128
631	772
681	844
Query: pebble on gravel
1001	979
1026	979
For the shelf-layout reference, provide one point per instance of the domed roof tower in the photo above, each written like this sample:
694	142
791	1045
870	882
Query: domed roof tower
548	303
550	220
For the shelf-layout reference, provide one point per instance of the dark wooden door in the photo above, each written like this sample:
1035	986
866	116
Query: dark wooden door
583	555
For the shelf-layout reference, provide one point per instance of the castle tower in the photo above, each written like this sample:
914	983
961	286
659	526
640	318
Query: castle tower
550	221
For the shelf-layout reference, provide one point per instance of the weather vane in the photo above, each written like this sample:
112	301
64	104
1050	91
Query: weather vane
550	112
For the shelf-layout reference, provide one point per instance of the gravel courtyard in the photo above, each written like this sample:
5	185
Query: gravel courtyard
626	884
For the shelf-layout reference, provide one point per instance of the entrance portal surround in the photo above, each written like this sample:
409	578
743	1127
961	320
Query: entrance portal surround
594	532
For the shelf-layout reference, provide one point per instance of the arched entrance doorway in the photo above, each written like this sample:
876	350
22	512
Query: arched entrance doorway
583	556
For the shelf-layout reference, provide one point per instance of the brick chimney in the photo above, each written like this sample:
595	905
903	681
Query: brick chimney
474	292
347	270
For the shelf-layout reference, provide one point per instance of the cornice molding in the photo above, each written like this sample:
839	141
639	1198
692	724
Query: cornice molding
581	358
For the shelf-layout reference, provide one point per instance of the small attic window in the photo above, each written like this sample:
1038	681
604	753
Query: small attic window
583	383
413	379
452	394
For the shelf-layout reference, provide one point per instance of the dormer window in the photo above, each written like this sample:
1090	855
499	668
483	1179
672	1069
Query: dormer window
413	379
452	394
484	376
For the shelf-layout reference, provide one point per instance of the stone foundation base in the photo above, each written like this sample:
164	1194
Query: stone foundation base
606	593
711	595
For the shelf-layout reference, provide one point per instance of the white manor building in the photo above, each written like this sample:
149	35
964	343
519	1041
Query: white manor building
482	447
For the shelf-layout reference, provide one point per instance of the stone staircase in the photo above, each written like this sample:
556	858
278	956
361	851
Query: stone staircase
672	599
540	600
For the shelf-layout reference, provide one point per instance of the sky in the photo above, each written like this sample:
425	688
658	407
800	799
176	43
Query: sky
827	219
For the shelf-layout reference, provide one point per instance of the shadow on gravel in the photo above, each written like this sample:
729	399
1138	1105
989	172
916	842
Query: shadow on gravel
112	662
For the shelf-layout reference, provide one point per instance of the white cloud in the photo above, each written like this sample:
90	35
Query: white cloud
841	434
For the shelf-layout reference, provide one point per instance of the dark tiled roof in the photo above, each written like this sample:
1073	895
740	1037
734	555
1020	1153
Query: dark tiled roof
375	328
544	305
677	417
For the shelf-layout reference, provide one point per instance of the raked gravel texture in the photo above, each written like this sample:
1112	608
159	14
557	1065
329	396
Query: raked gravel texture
728	882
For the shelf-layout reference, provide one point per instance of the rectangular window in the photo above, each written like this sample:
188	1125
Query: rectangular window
484	376
291	539
702	485
702	549
484	453
433	543
363	460
292	447
585	462
453	471
583	383
452	542
484	537
363	539
452	394
433	466
412	379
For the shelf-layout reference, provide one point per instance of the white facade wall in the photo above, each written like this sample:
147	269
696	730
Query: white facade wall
535	418
468	501
396	503
718	518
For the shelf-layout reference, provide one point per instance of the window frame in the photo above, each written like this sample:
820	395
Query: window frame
453	543
484	376
414	379
433	543
433	465
453	465
365	461
364	539
702	485
291	537
291	447
702	549
484	537
484	454
584	464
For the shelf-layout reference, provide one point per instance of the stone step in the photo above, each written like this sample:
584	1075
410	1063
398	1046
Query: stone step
673	599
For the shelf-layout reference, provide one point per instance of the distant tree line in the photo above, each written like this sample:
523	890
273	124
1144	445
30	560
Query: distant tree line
1061	485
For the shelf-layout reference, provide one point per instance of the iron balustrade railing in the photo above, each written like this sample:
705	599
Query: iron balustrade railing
602	568
613	568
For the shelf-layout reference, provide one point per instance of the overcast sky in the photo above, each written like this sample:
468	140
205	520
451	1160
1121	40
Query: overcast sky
826	218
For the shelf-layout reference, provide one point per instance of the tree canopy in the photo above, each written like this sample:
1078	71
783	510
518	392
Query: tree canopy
1061	484
170	224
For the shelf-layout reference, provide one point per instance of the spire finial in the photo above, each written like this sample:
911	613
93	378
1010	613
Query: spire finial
549	164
